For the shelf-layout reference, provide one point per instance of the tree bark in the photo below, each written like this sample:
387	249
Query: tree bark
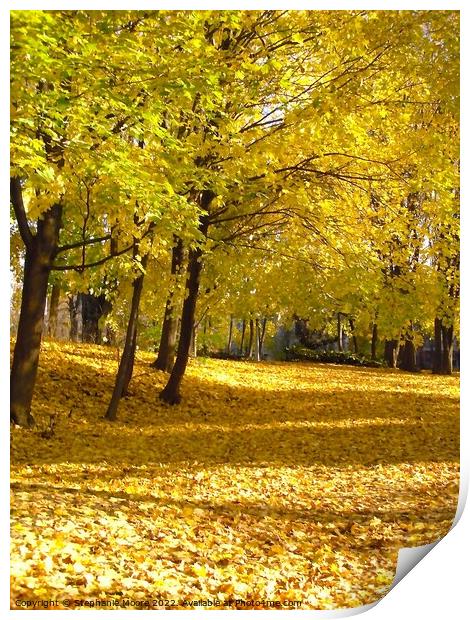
130	366
74	311
230	336
167	348
256	354
407	356
437	351
391	352
354	339
126	363
447	349
251	340
40	252
339	329
262	333
373	344
171	393
242	339
53	310
93	308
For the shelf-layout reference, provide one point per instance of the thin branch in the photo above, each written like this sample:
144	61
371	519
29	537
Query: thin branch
276	252
80	268
79	244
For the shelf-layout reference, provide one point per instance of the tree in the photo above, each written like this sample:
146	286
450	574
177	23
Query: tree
281	143
70	147
167	348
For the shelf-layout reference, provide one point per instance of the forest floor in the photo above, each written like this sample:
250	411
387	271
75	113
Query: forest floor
272	483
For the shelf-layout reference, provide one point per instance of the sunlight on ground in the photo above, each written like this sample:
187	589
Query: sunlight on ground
287	482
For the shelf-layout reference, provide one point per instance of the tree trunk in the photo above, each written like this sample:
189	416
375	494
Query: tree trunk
262	333
250	340
204	335
130	366
75	315
437	351
447	349
407	356
53	311
339	332
373	345
230	336
40	252
171	393
93	308
391	352
193	345
257	358
354	339
126	363
167	348
242	339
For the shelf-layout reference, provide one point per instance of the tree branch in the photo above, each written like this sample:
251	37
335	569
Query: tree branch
79	244
81	268
16	195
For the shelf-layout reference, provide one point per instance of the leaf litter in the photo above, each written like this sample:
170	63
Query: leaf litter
270	482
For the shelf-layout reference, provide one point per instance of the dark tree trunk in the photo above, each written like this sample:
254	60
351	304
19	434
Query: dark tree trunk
28	340
437	351
447	349
230	336
93	308
373	345
171	393
40	252
167	348
407	356
74	311
262	333
130	366
391	352
339	329
242	339
126	363
256	343
354	339
53	311
251	340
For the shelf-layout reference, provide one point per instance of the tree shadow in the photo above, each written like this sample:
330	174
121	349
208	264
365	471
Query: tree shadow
327	418
379	526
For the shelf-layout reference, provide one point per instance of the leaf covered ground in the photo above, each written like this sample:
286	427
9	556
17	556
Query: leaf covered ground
284	482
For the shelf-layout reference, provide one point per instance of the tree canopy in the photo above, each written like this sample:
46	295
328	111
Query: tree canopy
308	161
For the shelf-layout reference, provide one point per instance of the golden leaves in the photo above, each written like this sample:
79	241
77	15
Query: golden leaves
283	482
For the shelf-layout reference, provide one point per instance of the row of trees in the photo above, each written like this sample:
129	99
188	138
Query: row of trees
247	164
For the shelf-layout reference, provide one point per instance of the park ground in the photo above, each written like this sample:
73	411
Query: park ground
284	482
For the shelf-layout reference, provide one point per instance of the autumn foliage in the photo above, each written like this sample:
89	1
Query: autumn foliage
236	190
290	482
